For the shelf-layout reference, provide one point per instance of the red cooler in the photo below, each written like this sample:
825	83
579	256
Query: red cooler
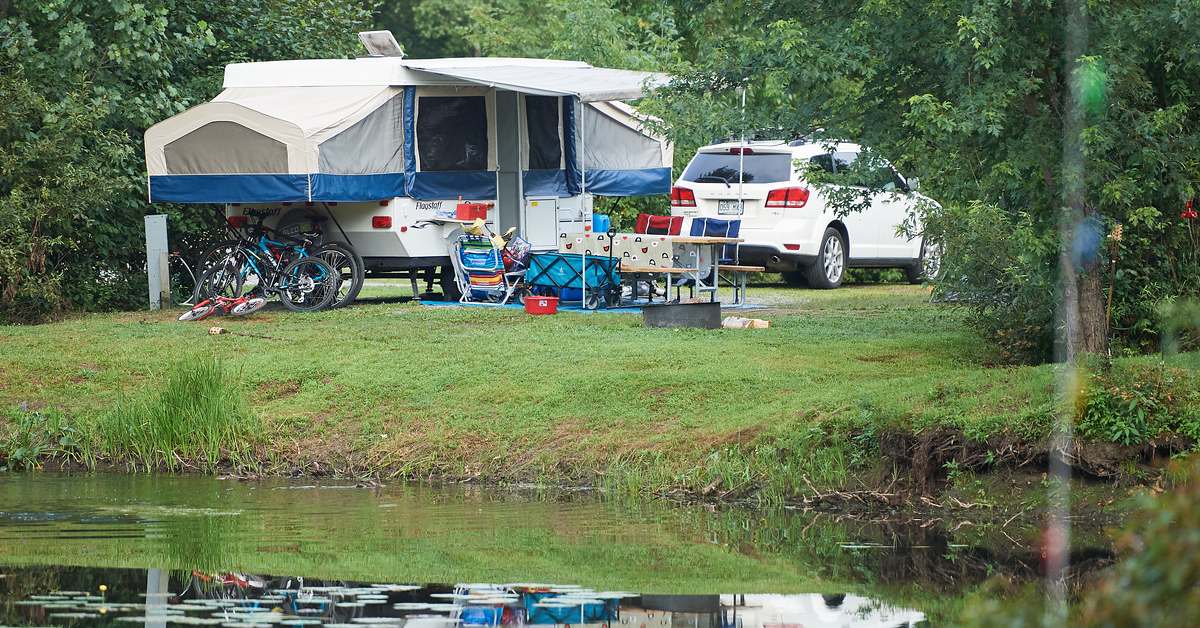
541	305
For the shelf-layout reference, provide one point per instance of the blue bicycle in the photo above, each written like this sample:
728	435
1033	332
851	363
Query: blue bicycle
261	266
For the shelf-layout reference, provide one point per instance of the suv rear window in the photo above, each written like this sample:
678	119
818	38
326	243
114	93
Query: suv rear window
723	167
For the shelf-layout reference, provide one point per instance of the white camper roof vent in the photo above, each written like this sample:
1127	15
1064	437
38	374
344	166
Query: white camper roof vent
381	44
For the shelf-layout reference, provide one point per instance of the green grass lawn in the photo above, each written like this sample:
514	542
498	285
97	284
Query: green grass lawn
406	389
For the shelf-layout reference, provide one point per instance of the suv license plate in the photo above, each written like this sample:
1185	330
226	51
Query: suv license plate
729	208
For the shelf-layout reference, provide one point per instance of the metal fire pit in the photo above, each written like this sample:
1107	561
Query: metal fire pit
699	315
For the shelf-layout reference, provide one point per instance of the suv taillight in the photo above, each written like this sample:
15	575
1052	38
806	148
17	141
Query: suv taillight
682	197
788	197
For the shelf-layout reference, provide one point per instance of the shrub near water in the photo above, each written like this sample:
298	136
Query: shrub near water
1132	405
198	419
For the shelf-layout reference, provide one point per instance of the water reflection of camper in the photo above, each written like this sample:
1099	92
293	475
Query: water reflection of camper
384	147
764	611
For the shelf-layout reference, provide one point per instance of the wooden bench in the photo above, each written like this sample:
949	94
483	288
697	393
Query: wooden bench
740	273
649	270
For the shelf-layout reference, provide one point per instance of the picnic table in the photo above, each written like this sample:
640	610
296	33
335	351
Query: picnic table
715	243
644	254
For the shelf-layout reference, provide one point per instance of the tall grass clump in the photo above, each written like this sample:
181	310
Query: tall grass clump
198	420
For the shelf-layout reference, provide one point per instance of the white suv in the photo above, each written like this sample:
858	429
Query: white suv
790	225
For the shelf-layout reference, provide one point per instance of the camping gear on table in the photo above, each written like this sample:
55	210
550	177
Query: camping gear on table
471	211
590	279
601	223
719	228
481	274
658	225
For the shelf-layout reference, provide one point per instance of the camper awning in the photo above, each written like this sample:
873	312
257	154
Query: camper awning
588	84
353	130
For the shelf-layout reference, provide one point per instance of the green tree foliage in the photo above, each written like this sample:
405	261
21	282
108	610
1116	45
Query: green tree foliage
611	33
52	155
977	101
83	80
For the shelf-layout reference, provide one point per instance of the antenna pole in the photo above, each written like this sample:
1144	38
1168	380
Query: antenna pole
742	153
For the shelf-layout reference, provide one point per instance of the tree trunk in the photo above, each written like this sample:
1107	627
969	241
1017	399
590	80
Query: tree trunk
1083	310
1093	316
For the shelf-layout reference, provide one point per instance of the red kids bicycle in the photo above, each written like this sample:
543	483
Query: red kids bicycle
239	306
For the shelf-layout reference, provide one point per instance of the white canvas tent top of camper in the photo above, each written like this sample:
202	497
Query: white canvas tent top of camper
382	127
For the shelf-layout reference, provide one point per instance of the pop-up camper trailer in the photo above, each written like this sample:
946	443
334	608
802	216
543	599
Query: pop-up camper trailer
385	146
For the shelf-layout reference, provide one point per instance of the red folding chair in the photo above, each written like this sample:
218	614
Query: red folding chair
658	225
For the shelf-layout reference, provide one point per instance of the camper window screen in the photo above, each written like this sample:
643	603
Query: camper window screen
452	133
541	118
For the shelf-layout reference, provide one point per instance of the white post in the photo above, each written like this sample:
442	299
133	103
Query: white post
157	581
158	273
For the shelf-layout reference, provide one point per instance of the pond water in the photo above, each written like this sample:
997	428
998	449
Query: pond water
192	550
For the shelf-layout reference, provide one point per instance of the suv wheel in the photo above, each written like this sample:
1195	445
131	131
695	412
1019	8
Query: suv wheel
830	267
928	266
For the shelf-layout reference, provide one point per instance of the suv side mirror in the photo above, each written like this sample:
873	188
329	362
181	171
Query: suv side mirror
914	184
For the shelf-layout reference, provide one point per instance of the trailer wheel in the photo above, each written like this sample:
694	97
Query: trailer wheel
449	283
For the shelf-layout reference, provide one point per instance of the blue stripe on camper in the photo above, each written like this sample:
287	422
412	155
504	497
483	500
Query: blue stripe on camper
228	188
472	185
545	183
357	187
570	154
410	135
644	182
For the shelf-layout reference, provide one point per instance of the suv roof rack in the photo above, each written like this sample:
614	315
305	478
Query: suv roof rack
807	138
767	134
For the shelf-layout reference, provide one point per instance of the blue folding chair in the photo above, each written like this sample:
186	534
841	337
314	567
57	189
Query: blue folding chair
719	228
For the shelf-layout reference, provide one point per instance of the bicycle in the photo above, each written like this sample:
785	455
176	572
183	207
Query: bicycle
260	266
241	306
350	268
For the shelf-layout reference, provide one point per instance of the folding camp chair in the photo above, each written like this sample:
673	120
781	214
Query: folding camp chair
658	225
719	228
481	275
728	254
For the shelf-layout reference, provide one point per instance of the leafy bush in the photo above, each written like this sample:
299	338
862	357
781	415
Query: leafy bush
53	154
35	436
999	263
1132	405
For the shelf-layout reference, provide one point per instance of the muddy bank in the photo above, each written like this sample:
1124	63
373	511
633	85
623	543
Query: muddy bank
930	456
916	477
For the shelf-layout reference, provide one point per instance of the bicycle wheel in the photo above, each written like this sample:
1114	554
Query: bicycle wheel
222	279
350	269
249	306
210	258
200	311
307	285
